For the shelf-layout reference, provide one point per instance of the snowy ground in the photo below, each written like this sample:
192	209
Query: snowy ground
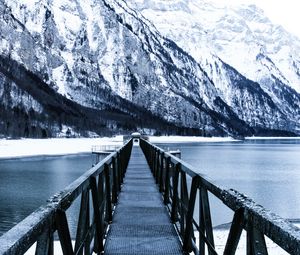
56	146
63	146
220	238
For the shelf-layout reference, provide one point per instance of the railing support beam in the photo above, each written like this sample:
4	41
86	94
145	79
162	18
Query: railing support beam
63	232
235	232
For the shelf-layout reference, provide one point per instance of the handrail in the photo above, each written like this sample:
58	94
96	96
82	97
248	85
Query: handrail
102	182
171	176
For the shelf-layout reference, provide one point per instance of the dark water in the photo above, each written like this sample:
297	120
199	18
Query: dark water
27	184
268	171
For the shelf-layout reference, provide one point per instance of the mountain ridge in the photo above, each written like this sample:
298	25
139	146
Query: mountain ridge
114	59
199	28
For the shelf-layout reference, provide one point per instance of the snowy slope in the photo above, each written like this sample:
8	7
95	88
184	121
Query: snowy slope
87	50
242	37
105	55
237	34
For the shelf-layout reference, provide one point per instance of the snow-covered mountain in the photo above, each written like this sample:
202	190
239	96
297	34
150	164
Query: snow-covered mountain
95	59
243	38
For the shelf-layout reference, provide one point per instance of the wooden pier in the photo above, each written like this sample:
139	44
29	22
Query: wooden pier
141	224
141	199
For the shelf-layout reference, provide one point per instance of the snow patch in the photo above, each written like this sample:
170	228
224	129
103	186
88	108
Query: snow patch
58	77
56	146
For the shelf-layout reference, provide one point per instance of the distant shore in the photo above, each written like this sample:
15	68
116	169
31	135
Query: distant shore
189	139
21	148
270	138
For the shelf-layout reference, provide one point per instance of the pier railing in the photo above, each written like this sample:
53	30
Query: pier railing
102	183
181	186
105	148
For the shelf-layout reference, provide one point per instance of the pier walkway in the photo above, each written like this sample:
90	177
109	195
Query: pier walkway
141	224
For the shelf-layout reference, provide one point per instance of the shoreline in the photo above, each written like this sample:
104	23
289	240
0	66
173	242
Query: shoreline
54	147
190	139
43	156
272	138
28	148
32	148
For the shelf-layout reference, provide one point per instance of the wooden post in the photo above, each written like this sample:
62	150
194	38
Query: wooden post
98	247
115	182
207	219
184	202
175	193
108	193
167	182
161	172
256	244
156	174
187	246
235	232
45	243
83	222
119	167
201	227
63	232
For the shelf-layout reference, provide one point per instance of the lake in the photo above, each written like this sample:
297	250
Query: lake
266	170
26	184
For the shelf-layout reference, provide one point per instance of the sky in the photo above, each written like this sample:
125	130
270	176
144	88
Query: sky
285	13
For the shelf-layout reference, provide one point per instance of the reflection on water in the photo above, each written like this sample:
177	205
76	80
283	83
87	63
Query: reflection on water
268	171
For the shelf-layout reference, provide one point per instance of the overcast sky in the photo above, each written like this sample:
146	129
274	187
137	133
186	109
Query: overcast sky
282	12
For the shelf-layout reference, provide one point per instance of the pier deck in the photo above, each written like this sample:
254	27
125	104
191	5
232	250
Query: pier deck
141	224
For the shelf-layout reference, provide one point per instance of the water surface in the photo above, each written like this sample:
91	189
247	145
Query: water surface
268	171
26	184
